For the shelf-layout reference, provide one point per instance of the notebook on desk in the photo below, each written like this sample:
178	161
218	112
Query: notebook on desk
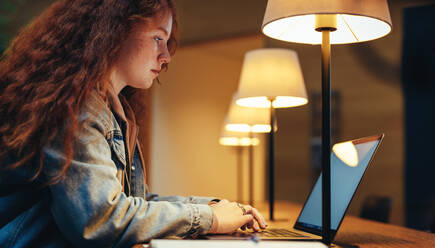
349	161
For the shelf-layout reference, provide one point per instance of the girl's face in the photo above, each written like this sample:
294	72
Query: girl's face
143	53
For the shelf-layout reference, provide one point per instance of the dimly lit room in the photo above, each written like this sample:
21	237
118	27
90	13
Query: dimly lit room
369	91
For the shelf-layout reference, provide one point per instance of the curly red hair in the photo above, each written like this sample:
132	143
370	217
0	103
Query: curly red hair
52	66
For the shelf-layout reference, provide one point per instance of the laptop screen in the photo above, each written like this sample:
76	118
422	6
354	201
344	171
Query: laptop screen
346	173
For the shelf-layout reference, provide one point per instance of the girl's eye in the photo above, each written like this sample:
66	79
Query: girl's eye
157	39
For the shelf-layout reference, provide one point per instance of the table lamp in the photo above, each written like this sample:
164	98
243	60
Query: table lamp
238	140
271	78
229	138
326	22
248	120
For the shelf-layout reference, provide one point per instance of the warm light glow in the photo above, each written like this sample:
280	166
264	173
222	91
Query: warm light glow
271	73
229	141
350	29
243	119
234	141
261	128
248	141
243	128
280	102
347	153
229	138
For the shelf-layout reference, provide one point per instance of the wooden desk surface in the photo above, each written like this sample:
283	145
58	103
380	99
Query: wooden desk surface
357	231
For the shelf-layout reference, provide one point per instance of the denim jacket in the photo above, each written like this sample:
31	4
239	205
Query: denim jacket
88	207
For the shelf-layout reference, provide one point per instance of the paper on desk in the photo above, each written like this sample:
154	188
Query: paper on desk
167	243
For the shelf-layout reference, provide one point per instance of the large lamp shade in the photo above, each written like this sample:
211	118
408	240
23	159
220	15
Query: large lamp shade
271	74
356	21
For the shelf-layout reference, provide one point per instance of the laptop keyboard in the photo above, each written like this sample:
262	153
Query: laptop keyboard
280	233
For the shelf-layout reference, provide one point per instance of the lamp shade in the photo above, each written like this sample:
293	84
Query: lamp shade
356	20
271	73
229	138
245	119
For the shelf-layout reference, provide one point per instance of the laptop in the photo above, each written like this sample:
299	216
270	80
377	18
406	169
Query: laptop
349	161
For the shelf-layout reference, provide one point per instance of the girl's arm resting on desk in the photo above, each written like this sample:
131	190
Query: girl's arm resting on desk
91	210
191	199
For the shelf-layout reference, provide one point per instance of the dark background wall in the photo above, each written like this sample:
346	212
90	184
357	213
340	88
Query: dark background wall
418	81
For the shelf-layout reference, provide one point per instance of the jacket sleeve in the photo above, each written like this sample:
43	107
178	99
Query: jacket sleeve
190	199
91	210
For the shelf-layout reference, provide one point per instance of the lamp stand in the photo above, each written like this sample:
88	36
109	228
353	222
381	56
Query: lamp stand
251	170
239	173
326	136
326	140
271	161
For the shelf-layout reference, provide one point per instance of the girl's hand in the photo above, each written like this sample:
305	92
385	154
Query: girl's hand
229	216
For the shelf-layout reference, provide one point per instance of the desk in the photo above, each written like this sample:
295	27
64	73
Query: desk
357	231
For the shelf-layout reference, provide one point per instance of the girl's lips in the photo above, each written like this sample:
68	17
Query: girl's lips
156	72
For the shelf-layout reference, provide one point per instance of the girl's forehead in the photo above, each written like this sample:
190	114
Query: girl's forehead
163	17
161	20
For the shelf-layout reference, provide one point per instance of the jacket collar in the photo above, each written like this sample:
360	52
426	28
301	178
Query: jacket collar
120	106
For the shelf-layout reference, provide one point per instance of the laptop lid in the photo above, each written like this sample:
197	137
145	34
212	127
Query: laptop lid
349	161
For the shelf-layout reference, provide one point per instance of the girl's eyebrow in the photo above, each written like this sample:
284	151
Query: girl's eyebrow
163	30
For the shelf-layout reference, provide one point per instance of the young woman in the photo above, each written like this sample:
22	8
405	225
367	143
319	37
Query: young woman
71	170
